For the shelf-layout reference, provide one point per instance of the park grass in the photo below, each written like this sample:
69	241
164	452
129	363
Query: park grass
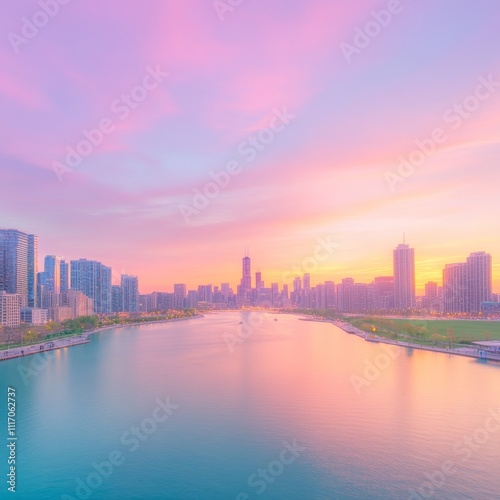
430	330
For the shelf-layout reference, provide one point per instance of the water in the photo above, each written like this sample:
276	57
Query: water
393	428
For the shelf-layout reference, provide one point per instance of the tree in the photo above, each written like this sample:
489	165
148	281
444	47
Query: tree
450	335
30	337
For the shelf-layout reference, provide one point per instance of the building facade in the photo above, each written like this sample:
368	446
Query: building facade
94	280
404	277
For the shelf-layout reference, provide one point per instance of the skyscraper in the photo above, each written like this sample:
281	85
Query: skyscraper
32	270
258	280
404	277
65	275
307	281
479	278
94	280
130	291
455	296
116	299
383	292
246	278
179	295
52	270
14	263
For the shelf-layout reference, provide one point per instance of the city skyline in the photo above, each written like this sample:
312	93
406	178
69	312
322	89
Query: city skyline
246	278
289	149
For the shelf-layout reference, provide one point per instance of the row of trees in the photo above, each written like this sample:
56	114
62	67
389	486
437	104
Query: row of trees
31	334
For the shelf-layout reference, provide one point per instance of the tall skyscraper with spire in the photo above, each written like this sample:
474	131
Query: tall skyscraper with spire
246	277
404	277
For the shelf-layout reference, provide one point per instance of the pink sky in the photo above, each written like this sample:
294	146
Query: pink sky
322	175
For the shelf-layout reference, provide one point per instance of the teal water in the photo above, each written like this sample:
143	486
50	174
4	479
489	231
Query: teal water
236	395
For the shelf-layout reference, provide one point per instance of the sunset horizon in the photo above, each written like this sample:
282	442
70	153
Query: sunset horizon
250	249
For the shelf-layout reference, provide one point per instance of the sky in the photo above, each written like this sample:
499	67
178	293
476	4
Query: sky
163	137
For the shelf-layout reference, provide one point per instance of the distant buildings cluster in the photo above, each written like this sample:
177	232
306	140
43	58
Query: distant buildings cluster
63	290
69	289
470	294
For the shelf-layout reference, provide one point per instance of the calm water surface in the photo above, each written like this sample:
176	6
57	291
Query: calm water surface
364	421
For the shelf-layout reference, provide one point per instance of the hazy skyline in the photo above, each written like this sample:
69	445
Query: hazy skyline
342	121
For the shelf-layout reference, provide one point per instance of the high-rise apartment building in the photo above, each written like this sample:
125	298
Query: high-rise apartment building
383	293
467	285
10	309
94	280
258	280
117	299
52	270
455	296
65	276
205	293
307	281
14	257
130	290
180	293
32	270
479	278
404	277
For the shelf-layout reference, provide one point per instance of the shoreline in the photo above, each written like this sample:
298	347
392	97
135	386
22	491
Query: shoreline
77	339
459	351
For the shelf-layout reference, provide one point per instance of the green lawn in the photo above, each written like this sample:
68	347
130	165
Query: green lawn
437	330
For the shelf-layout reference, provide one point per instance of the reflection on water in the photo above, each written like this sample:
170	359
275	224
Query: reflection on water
371	423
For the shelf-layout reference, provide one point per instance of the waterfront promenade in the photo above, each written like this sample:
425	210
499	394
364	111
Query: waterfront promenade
469	351
472	352
50	345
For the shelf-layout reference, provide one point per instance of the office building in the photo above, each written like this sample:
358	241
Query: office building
52	270
64	275
479	279
94	280
180	291
116	299
10	309
404	277
130	291
455	296
32	270
14	262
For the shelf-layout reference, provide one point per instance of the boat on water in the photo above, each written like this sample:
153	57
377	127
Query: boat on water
275	319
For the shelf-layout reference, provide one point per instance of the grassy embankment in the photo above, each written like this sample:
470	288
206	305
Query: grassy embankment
430	332
423	331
